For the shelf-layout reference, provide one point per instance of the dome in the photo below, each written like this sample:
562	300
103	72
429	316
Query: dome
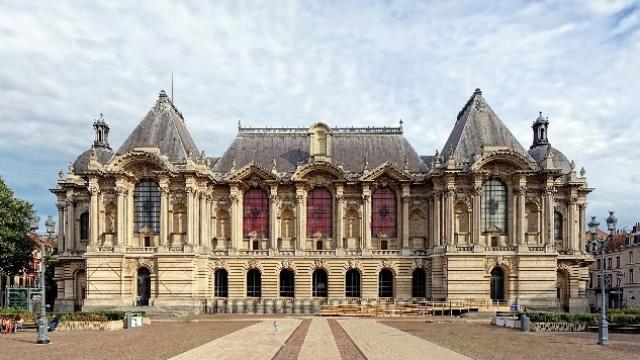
82	162
559	160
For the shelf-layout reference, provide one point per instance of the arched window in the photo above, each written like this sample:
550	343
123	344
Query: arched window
497	284
221	285
320	287
494	206
557	226
352	283
383	212
419	283
256	212
144	287
146	202
319	213
254	283
287	283
385	283
84	225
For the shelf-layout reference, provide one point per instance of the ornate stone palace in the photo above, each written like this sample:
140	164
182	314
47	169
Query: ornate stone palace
321	215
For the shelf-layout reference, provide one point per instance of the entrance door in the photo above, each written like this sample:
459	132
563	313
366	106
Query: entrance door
144	287
497	284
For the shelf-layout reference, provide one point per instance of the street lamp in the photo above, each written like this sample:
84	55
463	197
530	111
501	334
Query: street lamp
43	336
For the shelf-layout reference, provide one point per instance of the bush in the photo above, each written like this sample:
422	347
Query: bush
615	317
12	312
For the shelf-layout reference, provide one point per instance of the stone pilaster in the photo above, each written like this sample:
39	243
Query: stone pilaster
121	193
164	211
94	212
236	217
273	217
449	195
339	233
521	191
437	237
476	212
191	194
549	212
366	216
301	217
406	199
61	227
202	198
130	220
70	242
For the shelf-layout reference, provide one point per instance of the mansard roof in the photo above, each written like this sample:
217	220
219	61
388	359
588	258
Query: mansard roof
290	147
476	126
81	164
560	161
163	128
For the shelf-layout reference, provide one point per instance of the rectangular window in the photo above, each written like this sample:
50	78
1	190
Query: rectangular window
630	257
598	263
631	276
617	261
609	263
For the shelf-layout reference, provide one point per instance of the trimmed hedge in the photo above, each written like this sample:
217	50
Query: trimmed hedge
619	317
75	316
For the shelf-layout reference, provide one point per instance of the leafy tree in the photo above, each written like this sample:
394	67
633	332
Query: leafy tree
15	246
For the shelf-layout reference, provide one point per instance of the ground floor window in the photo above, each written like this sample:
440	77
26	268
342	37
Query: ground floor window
254	283
352	283
221	287
319	283
287	283
419	283
385	283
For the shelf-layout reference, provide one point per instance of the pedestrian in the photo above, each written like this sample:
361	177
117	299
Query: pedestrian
275	327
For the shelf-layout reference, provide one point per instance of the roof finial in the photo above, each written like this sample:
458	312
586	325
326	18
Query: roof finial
582	171
406	164
70	170
239	125
573	165
478	91
274	163
401	122
365	168
60	174
233	165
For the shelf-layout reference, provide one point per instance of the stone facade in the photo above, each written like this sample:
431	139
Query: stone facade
321	215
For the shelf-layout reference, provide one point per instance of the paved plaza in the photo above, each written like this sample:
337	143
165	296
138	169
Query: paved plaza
318	338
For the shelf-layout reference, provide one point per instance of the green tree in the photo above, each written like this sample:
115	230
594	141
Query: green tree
15	246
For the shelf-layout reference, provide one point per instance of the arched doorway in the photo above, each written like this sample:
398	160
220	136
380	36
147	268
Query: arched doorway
562	289
385	283
352	283
287	283
419	283
221	283
144	287
497	284
319	280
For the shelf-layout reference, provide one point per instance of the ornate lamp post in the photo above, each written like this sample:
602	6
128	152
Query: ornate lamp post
603	329
43	336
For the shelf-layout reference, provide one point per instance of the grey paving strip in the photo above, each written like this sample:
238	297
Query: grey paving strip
253	342
293	345
347	348
379	341
319	344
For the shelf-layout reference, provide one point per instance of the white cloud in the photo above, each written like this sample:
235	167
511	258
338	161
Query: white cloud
293	63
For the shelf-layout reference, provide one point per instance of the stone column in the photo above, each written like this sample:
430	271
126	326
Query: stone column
273	217
191	193
366	216
61	227
94	212
549	215
339	216
235	197
164	211
71	222
301	217
406	199
476	212
449	195
520	225
581	226
130	216
437	238
202	198
121	192
572	244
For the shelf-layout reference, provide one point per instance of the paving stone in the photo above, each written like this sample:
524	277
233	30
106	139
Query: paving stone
319	342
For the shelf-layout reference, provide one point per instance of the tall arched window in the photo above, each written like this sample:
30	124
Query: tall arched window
287	283
256	212
319	280
494	206
144	287
557	226
497	284
419	283
254	283
84	225
146	202
319	213
221	285
383	212
385	283
352	283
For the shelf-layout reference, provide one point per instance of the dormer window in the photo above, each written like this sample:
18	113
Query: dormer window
320	142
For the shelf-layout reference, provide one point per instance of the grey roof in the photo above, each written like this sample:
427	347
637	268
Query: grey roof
82	162
164	128
559	160
477	125
290	147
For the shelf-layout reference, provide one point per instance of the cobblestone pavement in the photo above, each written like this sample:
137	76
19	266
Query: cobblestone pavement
254	342
292	347
379	341
319	343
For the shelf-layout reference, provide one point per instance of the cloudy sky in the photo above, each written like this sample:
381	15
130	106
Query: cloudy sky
287	63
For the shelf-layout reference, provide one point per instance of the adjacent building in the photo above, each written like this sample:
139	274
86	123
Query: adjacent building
321	215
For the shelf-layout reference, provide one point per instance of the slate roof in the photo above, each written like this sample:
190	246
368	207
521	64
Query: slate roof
290	147
477	125
82	162
559	160
164	128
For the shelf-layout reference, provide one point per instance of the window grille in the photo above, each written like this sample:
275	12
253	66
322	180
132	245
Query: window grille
255	213
146	202
494	205
383	212
319	213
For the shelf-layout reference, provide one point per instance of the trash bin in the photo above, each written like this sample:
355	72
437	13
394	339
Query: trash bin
525	323
136	320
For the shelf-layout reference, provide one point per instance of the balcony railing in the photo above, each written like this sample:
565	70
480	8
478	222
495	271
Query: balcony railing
143	249
253	252
386	252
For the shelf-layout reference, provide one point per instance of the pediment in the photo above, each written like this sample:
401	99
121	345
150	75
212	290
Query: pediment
252	171
511	158
385	172
323	168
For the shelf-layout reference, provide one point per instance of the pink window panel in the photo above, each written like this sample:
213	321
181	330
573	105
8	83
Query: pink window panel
319	213
383	212
255	213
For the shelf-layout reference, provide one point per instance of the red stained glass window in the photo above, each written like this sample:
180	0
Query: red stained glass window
383	212
256	213
319	213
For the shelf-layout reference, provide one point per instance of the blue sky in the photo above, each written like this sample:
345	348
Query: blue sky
287	63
